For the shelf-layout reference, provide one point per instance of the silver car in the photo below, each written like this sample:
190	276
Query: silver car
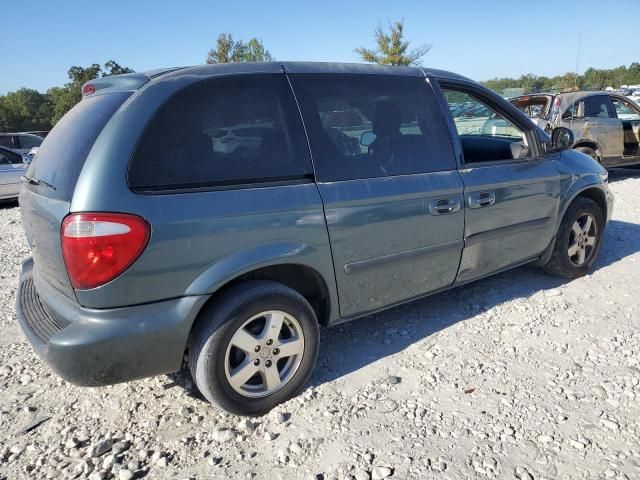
13	165
20	142
606	126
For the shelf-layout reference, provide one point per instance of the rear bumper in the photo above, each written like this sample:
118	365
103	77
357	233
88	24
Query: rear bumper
93	347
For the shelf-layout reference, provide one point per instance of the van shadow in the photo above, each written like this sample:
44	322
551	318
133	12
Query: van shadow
619	174
349	347
6	204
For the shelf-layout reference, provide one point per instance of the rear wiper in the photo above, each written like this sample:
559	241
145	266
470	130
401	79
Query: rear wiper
35	181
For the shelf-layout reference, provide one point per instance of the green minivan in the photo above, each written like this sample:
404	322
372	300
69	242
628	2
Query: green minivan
216	216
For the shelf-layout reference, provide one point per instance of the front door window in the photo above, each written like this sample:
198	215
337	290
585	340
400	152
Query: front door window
485	134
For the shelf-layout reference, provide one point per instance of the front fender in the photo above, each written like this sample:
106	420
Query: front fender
579	185
579	173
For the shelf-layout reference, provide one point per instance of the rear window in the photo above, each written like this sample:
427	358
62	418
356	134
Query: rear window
223	132
63	153
533	106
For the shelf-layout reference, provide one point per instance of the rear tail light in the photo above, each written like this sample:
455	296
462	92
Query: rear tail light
88	89
97	247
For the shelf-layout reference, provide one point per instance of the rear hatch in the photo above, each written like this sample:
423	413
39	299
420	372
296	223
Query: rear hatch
46	198
535	106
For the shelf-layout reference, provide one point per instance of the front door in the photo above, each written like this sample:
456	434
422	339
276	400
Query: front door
387	175
629	114
511	193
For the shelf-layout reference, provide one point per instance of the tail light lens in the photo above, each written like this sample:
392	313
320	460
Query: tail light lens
97	247
88	89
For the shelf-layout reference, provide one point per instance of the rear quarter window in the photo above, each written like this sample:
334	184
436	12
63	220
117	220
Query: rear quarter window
224	131
62	154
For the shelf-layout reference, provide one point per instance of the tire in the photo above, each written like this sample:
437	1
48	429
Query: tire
562	263
588	151
251	308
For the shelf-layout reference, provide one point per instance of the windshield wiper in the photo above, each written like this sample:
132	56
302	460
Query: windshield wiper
35	181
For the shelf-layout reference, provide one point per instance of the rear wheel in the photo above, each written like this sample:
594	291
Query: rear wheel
578	240
589	151
254	348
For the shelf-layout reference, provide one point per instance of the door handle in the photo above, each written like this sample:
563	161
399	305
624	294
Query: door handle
482	199
442	206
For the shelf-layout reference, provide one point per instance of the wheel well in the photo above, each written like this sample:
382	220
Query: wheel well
597	196
304	280
589	144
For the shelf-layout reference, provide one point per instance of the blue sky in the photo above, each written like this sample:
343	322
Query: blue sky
480	39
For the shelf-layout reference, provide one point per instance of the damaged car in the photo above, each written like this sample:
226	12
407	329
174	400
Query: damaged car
605	126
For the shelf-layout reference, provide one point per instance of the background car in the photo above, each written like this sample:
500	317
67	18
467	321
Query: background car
606	126
40	133
242	140
20	142
13	165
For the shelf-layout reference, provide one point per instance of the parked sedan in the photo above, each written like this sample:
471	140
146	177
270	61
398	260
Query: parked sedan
20	142
12	166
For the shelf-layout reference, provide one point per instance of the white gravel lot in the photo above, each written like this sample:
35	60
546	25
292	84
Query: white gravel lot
518	376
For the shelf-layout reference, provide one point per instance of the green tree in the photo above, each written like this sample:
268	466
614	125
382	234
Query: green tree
64	98
592	78
25	109
114	68
229	50
569	81
255	52
391	48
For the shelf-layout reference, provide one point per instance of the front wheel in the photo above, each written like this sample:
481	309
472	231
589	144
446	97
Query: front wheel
254	347
578	240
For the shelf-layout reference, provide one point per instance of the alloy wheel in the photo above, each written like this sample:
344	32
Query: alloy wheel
582	239
264	354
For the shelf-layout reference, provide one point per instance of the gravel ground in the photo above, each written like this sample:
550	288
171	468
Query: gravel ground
518	376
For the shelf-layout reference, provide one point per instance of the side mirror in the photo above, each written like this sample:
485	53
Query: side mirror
561	139
367	138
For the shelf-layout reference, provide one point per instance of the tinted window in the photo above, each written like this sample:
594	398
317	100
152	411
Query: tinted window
6	141
365	126
598	106
62	155
223	131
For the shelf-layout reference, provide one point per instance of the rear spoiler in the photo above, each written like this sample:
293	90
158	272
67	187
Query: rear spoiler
128	82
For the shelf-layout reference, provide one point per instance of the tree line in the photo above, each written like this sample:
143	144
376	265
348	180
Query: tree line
592	79
28	109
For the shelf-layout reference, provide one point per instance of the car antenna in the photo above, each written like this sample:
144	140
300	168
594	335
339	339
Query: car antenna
575	80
